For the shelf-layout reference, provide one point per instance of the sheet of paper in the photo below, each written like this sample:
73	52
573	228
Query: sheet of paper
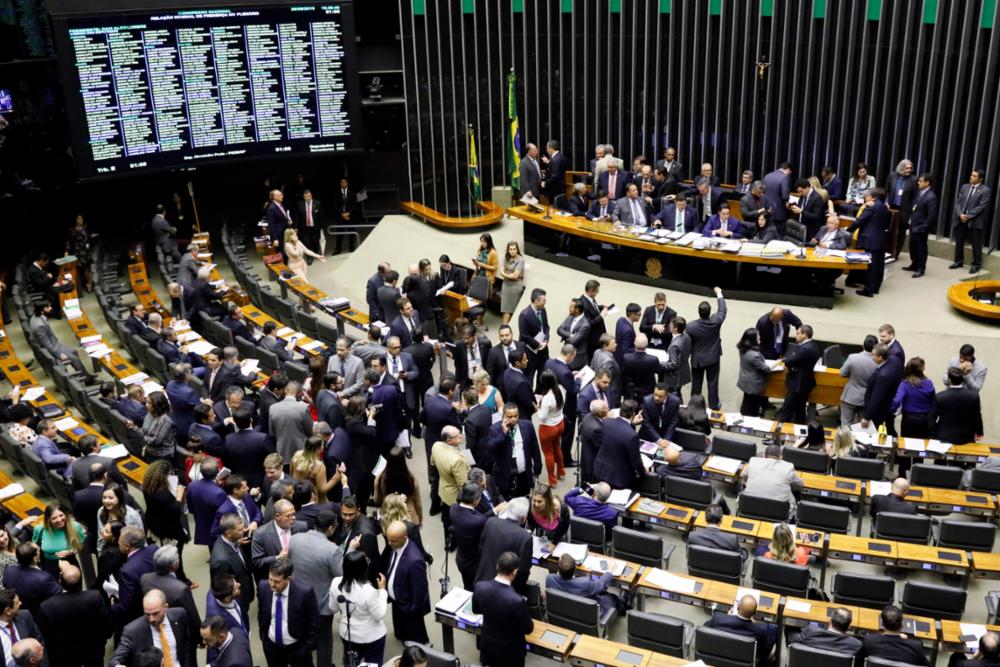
284	331
379	466
972	629
647	462
539	547
173	481
312	345
661	355
87	340
111	587
914	444
797	605
135	378
249	366
471	303
586	375
732	418
622	497
115	451
98	351
496	417
65	424
150	386
188	336
671	582
864	429
465	614
180	325
470	459
453	601
601	563
200	347
725	464
879	488
774	365
447	286
32	393
577	551
540	337
11	490
938	447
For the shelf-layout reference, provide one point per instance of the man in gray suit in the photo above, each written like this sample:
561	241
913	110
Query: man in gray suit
565	581
272	540
163	234
289	423
712	537
973	370
270	342
677	367
349	367
43	333
632	210
575	330
531	173
388	296
367	349
317	560
970	211
706	348
187	270
167	561
858	368
771	477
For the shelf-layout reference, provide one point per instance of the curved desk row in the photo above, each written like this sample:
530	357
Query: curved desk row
979	298
492	214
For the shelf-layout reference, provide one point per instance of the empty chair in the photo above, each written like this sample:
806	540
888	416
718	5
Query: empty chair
536	604
437	658
719	648
651	486
246	349
985	480
658	632
36	470
902	527
577	613
62	490
819	516
796	232
308	324
833	356
734	448
269	362
863	590
780	577
688	492
800	655
858	468
328	333
216	333
297	372
638	547
935	600
806	460
479	290
286	310
762	508
715	564
12	452
589	532
693	441
966	535
928	474
158	365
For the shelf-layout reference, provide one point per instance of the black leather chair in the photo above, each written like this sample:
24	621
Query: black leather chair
651	486
296	371
577	613
658	632
987	481
800	655
536	602
796	232
479	290
589	532
762	508
688	492
863	590
692	441
833	356
928	474
715	564
819	516
719	648
911	528
935	600
966	535
780	577
639	547
859	468
734	448
871	661
436	658
806	460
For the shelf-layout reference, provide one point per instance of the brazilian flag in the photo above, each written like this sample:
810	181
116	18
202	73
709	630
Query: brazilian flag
474	184
514	145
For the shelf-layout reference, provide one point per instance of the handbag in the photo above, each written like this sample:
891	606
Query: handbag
276	258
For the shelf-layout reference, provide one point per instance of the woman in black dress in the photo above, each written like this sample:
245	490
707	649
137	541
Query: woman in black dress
165	517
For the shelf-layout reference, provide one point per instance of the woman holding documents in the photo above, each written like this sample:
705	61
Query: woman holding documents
753	374
296	251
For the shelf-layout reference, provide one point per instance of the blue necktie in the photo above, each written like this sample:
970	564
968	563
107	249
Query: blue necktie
279	613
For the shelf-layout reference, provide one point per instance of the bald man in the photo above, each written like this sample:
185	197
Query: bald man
160	627
775	331
406	580
278	220
76	623
742	623
452	468
680	463
894	501
28	652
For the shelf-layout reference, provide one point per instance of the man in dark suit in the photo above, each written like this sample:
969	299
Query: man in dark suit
894	501
971	205
391	418
236	322
579	203
752	205
707	200
988	654
533	331
388	296
613	181
138	634
310	221
506	619
591	433
204	497
376	281
517	460
345	200
892	644
164	579
506	534
208	430
881	389
831	183
660	411
41	279
873	226
777	188
33	584
599	389
555	174
811	208
406	324
923	216
601	208
226	648
530	173
19	624
775	330
711	536
678	217
742	623
76	623
618	462
286	618
562	368
830	236
517	385
575	330
355	524
835	637
278	220
681	463
594	312
406	581
467	525
655	322
470	355
723	225
449	273
497	359
706	348
136	323
900	188
799	376
640	371
329	409
625	332
476	425
670	163
238	501
956	415
564	580
246	449
180	301
138	561
419	290
227	556
90	449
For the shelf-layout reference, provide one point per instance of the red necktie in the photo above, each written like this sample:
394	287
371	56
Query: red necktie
309	215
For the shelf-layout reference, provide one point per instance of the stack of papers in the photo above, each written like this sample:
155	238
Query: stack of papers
11	490
938	447
188	336
800	606
913	444
724	464
577	551
758	424
98	351
585	375
71	309
539	547
777	249
661	355
465	614
601	563
752	249
150	386
180	325
200	347
249	366
688	238
90	340
650	506
970	635
32	393
671	582
880	488
65	424
135	378
114	451
453	601
732	418
284	331
622	497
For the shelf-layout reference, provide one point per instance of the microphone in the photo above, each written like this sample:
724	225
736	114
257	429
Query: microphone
343	600
449	543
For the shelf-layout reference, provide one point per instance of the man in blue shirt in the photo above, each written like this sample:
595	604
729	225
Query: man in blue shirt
593	505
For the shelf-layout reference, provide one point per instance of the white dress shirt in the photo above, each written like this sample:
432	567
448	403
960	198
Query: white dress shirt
549	413
8	643
518	455
397	555
286	637
171	641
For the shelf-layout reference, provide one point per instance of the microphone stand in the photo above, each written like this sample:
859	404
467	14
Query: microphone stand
350	656
449	545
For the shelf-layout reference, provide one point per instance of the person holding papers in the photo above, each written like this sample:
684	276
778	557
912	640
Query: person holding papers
660	411
549	516
722	225
565	581
753	374
600	210
894	500
618	462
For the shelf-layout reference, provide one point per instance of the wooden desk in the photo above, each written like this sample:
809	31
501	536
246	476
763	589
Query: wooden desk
720	475
22	505
812	540
937	559
951	635
949	500
818	613
745	529
626	580
492	214
672	516
923	628
592	651
964	296
830	486
707	592
985	565
536	641
311	296
663	660
862	549
829	386
304	345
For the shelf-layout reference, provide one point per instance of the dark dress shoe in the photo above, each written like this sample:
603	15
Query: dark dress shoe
910	268
918	274
956	265
570	463
864	292
975	268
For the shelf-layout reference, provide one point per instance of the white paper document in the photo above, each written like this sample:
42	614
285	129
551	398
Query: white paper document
150	386
647	463
622	497
774	365
670	582
661	355
284	331
724	464
577	551
601	563
98	351
135	378
938	447
11	490
115	451
33	393
200	347
453	601
89	340
379	466
879	488
447	286
65	424
539	547
797	605
188	336
249	366
586	375
312	345
914	444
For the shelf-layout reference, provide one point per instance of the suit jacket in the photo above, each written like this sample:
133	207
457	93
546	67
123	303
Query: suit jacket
622	179
39	279
907	185
438	412
227	506
677	370
204	297
477	434
138	636
371	297
800	377
873	224
813	212
81	470
640	371
827	640
203	498
278	220
602	360
893	647
529	326
317	562
409	593
506	620
210	438
593	588
183	398
956	415
765	328
345	202
75	625
187	269
276	347
236	654
713	538
589	394
86	503
591	432
834	188
840	241
753	373
580	206
400	328
597	212
468	525
289	424
749	205
316	210
972	204
499	536
222	412
624	214
667	217
387	298
881	389
578	335
329	409
764	633
777	190
178	595
163	234
225	559
688	466
502	451
420	291
496	364
924	213
618	462
570	385
214	608
624	337
531	177
353	373
129	605
519	391
659	421
705	334
301	613
390	420
180	306
404	362
460	357
239	328
33	585
650	318
731	225
774	479
555	176
457	275
858	368
716	196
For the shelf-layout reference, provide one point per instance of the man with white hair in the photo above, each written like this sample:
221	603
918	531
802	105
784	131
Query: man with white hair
900	192
640	370
205	297
591	429
278	219
593	505
607	158
502	534
180	300
161	627
579	203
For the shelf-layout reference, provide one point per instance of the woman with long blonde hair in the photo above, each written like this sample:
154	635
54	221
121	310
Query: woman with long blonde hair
783	547
307	463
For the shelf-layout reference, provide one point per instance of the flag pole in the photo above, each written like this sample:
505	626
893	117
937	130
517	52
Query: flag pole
468	159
